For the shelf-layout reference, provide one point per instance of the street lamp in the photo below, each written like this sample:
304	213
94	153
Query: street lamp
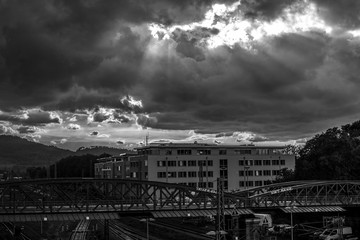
291	208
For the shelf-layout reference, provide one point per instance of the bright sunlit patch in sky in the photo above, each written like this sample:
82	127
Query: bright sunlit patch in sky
355	33
234	28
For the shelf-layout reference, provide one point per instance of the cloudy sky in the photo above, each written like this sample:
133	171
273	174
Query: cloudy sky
91	72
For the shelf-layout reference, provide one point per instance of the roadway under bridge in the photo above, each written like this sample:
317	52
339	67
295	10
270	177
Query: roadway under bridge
54	199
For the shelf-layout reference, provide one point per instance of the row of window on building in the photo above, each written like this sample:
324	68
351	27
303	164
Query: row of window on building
254	183
209	152
183	174
184	163
241	184
199	184
259	173
275	162
223	163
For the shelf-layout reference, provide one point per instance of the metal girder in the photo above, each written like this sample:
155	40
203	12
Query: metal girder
99	195
314	193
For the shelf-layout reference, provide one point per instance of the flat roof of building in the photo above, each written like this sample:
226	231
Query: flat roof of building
207	145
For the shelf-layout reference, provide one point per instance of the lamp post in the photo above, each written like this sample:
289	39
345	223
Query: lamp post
147	225
291	208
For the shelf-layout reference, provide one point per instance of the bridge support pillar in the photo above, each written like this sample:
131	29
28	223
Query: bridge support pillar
106	230
252	229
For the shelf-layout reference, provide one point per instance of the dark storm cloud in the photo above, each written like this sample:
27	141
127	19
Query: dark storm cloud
95	133
121	118
340	13
32	117
282	88
58	45
267	9
26	130
146	121
99	117
76	55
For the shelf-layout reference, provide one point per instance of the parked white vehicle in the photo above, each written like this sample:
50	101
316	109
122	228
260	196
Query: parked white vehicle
335	233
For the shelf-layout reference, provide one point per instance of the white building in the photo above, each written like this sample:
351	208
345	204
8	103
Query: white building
199	165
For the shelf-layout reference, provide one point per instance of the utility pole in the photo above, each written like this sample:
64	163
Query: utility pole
220	217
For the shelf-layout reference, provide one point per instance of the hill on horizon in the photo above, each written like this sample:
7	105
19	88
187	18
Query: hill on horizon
16	151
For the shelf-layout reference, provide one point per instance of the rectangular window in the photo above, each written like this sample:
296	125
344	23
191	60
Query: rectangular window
210	174
241	184
267	173
275	172
202	184
204	152
182	163
192	184
202	174
210	163
249	173
202	163
241	173
192	163
243	152
184	152
275	162
134	164
223	174
267	182
262	151
250	183
172	174
145	163
241	162
226	185
161	174
223	163
168	152
282	162
222	152
192	174
182	174
161	163
172	163
266	162
258	183
258	173
210	184
248	162
119	168
257	162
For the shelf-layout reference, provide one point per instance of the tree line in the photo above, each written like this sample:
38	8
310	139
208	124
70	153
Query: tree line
331	155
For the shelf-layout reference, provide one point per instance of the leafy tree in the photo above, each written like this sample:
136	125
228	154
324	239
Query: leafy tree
75	166
334	154
286	175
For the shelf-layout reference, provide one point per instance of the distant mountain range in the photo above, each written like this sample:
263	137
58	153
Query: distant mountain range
15	151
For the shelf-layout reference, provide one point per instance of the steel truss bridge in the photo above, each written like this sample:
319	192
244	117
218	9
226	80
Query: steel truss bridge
62	196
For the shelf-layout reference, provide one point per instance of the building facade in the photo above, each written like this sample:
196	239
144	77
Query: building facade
199	165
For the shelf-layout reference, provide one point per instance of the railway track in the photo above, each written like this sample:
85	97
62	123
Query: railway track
184	230
80	231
